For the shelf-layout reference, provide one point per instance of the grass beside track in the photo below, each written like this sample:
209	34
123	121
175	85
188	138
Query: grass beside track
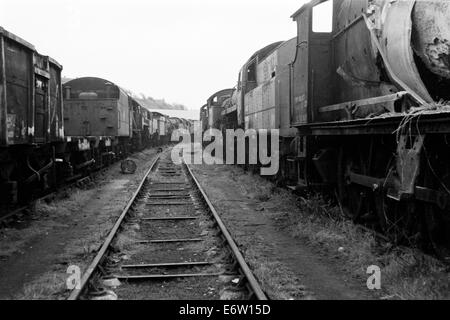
406	273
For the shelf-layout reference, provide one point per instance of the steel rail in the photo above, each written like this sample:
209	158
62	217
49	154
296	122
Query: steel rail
254	285
75	294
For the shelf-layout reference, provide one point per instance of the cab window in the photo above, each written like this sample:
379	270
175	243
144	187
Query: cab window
251	72
322	17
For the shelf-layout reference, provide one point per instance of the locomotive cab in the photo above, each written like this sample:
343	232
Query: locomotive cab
215	107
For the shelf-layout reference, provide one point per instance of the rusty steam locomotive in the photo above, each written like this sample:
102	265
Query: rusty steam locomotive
52	134
360	101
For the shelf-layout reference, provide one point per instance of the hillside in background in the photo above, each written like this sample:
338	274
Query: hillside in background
151	103
147	101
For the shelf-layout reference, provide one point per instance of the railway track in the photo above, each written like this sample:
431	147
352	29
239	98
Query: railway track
169	243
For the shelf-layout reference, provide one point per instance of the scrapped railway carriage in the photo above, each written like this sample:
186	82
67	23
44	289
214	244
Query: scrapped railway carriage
215	105
189	126
262	95
176	123
170	127
204	117
262	98
193	126
31	119
146	127
102	123
211	115
367	98
172	124
159	129
137	118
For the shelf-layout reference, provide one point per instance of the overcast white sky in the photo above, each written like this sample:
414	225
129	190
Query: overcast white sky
180	50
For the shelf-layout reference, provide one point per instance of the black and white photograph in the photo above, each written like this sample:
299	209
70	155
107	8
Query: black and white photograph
225	155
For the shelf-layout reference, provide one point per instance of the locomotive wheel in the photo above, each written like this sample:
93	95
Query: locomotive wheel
280	177
398	220
437	220
386	208
352	196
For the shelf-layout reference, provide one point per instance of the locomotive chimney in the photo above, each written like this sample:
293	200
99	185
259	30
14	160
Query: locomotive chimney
68	90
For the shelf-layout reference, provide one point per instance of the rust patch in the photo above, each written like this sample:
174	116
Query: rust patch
11	125
438	54
431	36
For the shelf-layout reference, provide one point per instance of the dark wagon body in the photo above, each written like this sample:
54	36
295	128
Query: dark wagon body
102	122
159	130
52	134
96	107
31	117
31	102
